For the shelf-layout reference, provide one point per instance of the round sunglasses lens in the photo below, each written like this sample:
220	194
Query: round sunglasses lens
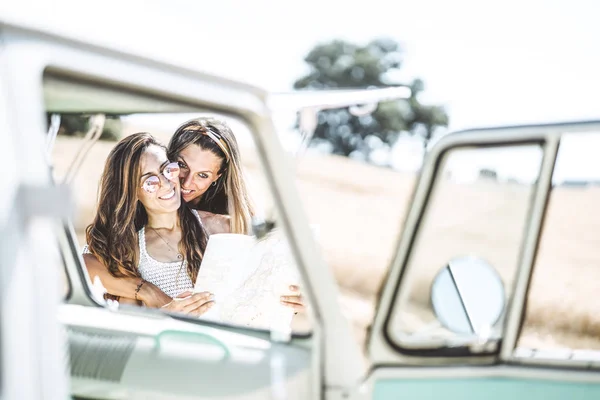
151	184
171	171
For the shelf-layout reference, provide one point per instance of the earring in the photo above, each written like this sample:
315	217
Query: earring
214	183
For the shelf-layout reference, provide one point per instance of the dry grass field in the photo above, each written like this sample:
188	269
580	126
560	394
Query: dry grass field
359	210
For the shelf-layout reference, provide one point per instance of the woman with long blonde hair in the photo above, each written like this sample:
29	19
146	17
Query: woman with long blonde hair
213	182
212	179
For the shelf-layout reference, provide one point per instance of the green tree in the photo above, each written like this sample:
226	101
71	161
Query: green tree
342	65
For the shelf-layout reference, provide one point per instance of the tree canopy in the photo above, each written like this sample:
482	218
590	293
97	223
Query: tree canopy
343	65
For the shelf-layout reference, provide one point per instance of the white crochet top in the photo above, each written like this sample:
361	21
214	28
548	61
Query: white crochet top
170	277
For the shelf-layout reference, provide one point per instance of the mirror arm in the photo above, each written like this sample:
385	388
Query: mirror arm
91	137
460	297
308	122
51	135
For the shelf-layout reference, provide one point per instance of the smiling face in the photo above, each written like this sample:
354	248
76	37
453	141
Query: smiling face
199	169
166	198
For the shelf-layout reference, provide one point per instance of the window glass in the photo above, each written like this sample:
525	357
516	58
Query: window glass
265	267
459	274
562	309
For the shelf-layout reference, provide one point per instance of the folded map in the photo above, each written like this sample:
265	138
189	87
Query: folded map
247	277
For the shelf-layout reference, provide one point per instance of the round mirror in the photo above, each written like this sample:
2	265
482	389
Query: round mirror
468	296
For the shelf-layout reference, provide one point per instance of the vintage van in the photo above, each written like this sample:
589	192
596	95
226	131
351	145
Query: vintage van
490	290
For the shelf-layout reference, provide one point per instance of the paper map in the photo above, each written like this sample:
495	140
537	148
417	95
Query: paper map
247	278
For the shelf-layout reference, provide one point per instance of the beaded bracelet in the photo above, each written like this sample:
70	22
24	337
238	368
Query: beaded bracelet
137	290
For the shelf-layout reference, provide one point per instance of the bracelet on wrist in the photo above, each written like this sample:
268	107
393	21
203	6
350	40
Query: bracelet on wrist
137	290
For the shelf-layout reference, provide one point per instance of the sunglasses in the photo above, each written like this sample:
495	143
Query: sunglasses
152	183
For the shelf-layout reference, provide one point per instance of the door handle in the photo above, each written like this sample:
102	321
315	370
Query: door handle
193	337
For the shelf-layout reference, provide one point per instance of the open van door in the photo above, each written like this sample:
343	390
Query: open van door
489	293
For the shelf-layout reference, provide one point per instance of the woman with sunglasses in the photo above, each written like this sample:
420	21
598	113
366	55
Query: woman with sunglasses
141	233
212	181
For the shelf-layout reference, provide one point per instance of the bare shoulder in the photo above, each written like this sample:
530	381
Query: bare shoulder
215	223
91	260
92	264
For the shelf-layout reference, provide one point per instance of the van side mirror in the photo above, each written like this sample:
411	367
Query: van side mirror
468	296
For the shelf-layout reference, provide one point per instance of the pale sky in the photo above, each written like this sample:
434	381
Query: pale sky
489	63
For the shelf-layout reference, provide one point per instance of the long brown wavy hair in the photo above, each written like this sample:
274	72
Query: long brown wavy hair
230	195
113	235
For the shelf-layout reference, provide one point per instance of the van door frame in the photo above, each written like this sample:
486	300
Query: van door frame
30	52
